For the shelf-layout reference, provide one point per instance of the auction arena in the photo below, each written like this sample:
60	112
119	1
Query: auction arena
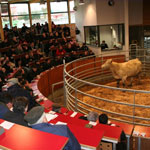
89	88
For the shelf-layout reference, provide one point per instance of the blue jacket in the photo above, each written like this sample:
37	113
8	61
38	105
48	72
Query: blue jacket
3	110
61	130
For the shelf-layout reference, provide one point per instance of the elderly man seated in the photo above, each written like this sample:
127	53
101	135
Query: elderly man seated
37	120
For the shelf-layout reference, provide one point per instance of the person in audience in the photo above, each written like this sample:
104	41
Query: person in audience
103	45
66	31
60	51
8	67
6	29
37	120
5	43
24	28
16	90
33	73
26	60
5	103
69	48
103	119
20	106
19	49
122	145
92	116
84	47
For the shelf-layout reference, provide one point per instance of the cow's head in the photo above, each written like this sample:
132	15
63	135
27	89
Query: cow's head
106	65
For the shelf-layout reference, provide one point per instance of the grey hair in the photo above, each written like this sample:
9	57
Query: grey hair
92	116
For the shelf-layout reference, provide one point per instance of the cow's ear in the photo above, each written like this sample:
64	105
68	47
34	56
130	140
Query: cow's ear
110	60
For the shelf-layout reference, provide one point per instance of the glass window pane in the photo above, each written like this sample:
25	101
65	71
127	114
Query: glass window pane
4	9
5	20
112	35
36	8
60	18
91	35
39	18
19	9
19	20
72	14
58	7
71	5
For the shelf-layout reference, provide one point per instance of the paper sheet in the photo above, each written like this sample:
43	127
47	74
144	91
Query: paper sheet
50	116
6	125
136	133
62	123
143	134
93	123
52	112
73	114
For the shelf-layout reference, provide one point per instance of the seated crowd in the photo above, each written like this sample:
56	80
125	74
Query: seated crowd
34	50
30	52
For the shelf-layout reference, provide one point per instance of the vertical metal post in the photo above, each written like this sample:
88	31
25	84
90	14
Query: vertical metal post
144	60
128	142
64	77
75	90
134	107
114	146
139	143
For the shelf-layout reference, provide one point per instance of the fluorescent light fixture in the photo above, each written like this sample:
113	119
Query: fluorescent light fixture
81	2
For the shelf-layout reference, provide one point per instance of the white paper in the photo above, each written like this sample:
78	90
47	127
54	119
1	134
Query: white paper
6	125
62	123
113	125
50	116
143	134
93	123
109	122
136	133
52	112
73	114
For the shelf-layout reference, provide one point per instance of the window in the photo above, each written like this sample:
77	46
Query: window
113	35
39	18
59	12
91	35
60	18
57	7
20	15
5	20
72	12
19	9
37	8
19	20
4	9
39	13
4	15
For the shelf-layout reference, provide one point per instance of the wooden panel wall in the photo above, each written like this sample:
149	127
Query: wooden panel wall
146	12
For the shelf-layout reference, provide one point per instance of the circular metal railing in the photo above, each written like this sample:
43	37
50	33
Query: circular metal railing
84	75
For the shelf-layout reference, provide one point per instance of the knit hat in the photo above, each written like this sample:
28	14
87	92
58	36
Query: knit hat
13	81
34	114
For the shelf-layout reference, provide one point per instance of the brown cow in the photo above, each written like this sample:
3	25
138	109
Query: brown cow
121	71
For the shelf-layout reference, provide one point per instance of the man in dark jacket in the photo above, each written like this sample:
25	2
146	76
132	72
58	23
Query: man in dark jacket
5	103
122	145
16	90
37	119
20	105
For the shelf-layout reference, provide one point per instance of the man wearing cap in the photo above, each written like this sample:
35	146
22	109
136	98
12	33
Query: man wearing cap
37	120
16	90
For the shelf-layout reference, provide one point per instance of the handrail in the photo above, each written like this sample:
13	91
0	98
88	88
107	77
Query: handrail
76	76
